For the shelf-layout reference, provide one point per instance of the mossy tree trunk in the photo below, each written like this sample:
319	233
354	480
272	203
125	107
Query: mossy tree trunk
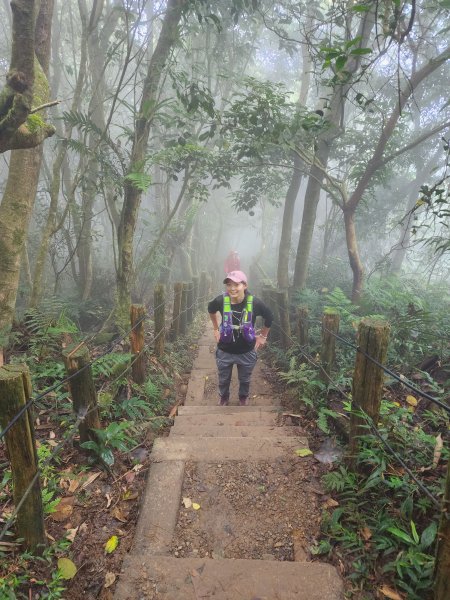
20	191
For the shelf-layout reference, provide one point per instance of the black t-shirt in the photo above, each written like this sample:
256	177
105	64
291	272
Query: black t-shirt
239	345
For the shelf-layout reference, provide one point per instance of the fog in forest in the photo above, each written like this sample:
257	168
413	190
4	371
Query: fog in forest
309	137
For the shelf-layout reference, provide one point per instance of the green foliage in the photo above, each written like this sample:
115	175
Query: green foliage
112	365
113	437
141	181
35	122
305	379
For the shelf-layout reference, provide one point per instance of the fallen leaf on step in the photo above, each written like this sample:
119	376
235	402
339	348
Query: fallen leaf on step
302	452
195	506
109	579
111	544
330	503
108	500
67	568
187	502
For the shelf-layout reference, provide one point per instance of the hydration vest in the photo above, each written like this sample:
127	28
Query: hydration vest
246	325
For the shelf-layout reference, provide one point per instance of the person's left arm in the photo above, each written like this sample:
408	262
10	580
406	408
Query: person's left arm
264	311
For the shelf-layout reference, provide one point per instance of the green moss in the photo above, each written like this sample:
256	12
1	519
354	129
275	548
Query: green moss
34	122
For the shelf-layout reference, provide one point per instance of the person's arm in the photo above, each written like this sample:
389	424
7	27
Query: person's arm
215	323
213	309
265	312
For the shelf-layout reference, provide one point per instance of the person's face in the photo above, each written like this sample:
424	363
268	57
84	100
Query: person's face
236	290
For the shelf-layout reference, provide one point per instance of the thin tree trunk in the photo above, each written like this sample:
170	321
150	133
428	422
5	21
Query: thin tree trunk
132	195
286	229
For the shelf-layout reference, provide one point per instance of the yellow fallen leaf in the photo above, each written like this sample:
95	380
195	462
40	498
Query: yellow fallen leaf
397	403
390	593
411	400
195	506
111	544
303	452
67	568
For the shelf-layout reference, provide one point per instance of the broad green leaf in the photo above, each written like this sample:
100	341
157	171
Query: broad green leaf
107	456
402	535
67	568
360	51
303	452
111	544
414	532
428	535
340	62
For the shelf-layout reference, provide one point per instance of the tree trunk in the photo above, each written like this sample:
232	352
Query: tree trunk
21	186
334	116
353	255
312	196
286	230
132	195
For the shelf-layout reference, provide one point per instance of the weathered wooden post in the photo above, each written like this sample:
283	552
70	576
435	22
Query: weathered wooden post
442	564
196	282
183	313
203	291
282	301
302	325
373	337
190	302
330	326
177	298
15	391
137	341
271	300
159	298
82	390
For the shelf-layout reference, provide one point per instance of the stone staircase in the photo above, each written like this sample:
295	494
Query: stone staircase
204	433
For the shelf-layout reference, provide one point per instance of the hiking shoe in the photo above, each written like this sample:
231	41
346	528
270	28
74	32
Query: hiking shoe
223	400
243	400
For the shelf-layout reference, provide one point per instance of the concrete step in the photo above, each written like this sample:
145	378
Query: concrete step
234	431
168	578
227	410
223	449
234	419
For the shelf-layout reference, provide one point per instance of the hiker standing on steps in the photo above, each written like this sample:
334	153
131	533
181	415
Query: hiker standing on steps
237	341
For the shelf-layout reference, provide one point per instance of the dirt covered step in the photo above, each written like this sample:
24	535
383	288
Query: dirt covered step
218	449
167	578
228	410
234	431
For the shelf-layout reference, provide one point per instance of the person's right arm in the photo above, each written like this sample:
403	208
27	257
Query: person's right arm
213	309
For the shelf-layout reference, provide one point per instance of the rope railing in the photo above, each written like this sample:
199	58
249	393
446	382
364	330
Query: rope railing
88	365
436	502
80	418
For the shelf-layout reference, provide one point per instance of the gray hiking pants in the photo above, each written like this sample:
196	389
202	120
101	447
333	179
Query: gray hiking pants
245	365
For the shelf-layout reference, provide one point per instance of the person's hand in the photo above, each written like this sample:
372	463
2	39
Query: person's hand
261	340
217	335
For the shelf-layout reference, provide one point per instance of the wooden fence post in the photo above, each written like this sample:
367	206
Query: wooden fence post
196	282
373	337
15	391
302	325
442	565
137	341
330	326
203	291
82	390
177	298
160	311
190	302
282	301
183	314
269	296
